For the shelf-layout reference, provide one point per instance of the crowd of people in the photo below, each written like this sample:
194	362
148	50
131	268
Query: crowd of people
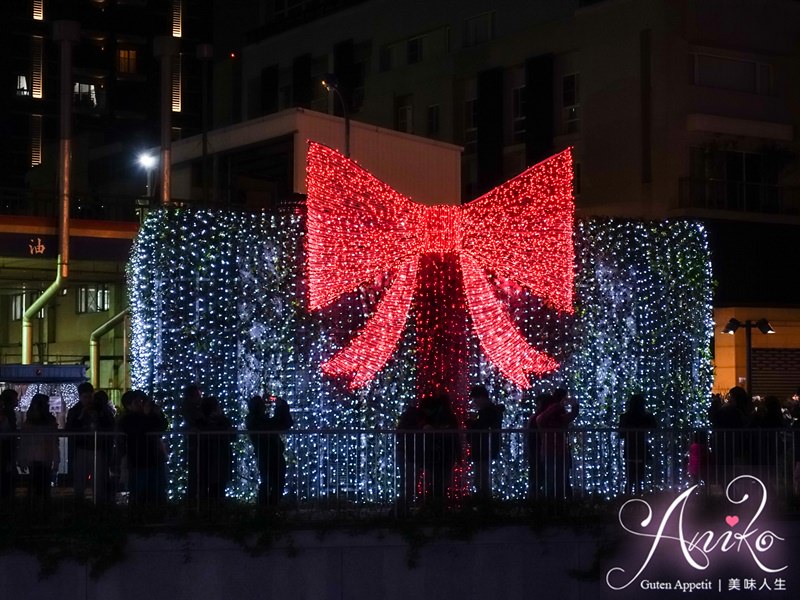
124	449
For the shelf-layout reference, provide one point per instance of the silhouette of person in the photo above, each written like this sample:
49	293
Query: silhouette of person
265	434
534	448
38	449
484	442
144	451
729	419
441	444
190	411
697	468
555	418
87	421
409	451
214	450
8	443
634	425
770	423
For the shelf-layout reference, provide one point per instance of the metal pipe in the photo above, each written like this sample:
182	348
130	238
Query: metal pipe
30	312
66	33
166	48
94	344
205	52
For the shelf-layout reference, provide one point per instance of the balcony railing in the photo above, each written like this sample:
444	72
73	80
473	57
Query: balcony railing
739	196
40	203
323	474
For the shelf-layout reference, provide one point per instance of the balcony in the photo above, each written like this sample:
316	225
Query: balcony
83	205
738	196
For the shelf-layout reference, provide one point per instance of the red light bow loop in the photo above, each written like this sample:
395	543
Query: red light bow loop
359	228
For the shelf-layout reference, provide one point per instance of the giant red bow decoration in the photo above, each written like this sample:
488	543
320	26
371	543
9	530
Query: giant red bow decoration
360	229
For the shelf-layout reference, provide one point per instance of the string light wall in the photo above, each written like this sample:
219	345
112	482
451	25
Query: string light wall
222	299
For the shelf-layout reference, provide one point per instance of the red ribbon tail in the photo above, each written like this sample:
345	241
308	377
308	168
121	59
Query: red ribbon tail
374	345
504	345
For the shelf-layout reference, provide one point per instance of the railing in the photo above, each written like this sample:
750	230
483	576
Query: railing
740	196
318	474
83	205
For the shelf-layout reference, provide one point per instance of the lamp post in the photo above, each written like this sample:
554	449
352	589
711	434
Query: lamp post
148	162
205	52
764	327
331	83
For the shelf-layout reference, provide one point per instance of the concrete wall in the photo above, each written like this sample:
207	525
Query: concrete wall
509	563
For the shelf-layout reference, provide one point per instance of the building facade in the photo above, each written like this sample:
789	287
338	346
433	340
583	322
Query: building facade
115	107
674	110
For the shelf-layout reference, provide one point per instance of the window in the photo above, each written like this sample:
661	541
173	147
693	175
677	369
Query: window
414	50
518	115
734	180
36	140
576	178
730	73
20	302
84	95
22	86
570	103
92	298
389	57
126	61
177	84
404	113
433	119
470	124
177	18
37	62
38	10
479	29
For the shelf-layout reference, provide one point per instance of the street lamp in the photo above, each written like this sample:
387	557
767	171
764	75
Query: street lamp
331	83
763	326
148	163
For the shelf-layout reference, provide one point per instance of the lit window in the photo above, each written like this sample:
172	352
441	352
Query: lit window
36	140
177	18
177	91
37	63
518	115
479	29
570	103
38	10
22	86
126	61
84	95
92	298
20	302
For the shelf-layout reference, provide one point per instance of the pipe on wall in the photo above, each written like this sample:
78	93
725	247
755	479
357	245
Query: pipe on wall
65	33
94	344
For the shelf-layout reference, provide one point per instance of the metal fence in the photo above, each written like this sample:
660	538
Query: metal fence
319	473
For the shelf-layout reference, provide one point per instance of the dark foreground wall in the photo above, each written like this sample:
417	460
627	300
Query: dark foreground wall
504	563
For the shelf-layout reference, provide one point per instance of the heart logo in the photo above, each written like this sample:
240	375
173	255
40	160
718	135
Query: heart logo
731	520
